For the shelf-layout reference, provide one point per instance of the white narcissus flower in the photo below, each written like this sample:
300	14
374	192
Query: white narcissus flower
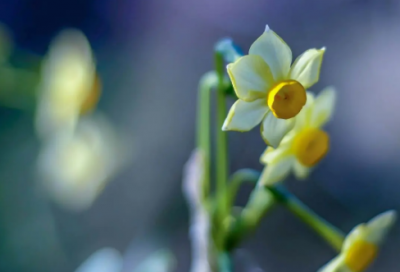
303	147
271	90
74	166
110	260
69	85
103	260
361	246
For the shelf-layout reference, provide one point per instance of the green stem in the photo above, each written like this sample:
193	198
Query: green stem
206	85
18	87
331	234
237	179
222	150
261	201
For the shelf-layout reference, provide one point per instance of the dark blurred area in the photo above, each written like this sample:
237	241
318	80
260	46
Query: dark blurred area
150	55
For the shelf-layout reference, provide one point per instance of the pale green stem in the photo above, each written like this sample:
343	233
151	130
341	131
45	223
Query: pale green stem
331	234
260	202
238	178
221	145
206	85
262	199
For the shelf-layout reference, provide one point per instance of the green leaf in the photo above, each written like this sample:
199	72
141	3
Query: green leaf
5	43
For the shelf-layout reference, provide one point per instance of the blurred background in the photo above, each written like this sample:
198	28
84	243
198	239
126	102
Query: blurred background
150	55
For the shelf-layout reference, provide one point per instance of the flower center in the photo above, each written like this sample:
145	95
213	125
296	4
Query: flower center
93	97
360	255
286	99
310	146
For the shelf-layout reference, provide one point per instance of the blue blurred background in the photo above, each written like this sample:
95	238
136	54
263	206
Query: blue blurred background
150	56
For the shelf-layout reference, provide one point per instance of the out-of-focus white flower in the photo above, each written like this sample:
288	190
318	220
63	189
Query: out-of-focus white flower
200	220
361	246
304	146
103	260
159	261
74	166
69	84
110	260
271	90
193	174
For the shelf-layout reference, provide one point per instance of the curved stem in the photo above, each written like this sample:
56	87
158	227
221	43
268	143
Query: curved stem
237	179
327	231
207	83
261	201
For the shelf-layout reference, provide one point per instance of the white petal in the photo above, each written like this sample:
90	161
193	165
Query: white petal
357	233
274	129
272	155
251	77
103	260
378	227
335	265
300	171
244	116
275	52
277	172
324	105
307	66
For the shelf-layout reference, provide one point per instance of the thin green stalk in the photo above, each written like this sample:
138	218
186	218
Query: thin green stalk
331	234
222	150
207	83
261	201
238	178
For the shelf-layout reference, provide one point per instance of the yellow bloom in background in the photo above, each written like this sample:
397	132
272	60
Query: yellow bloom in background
361	246
69	84
303	147
75	166
271	90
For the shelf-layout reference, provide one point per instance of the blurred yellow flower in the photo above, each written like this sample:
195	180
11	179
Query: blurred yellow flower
271	91
304	146
74	166
361	246
69	84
